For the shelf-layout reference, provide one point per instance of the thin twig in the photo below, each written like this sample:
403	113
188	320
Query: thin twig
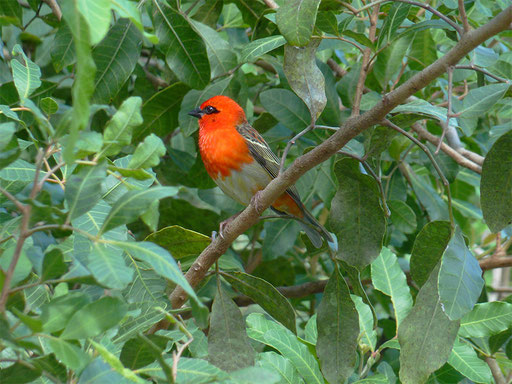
292	142
485	72
55	8
361	49
339	72
446	125
463	16
271	4
365	63
391	125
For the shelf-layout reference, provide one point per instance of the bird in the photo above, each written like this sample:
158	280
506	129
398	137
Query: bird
241	162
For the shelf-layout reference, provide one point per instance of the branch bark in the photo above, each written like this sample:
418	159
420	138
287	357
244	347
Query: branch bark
351	128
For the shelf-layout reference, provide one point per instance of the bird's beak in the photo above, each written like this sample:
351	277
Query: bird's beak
196	113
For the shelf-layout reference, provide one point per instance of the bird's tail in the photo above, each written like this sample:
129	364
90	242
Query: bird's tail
314	230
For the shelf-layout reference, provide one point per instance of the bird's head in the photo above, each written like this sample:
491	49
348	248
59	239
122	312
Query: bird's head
219	111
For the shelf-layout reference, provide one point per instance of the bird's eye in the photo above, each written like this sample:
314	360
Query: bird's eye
209	110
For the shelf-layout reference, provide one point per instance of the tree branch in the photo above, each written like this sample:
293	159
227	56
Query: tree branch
459	159
463	16
495	262
350	129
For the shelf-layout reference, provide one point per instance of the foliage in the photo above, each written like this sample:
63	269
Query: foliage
105	203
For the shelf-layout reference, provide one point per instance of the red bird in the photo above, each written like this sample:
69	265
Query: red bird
241	163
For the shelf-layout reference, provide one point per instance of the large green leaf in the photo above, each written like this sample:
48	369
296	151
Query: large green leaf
118	131
160	260
389	61
395	17
221	56
115	58
97	15
428	249
69	354
11	12
426	335
26	75
198	371
257	48
133	204
85	70
479	100
496	194
429	198
403	217
460	278
95	318
56	314
356	216
285	342
296	19
278	363
160	112
304	77
83	189
266	295
108	267
99	371
388	277
182	243
148	153
228	344
486	319
286	107
185	51
423	49
367	333
338	329
465	360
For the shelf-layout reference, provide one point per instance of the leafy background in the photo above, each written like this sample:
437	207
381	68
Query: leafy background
105	201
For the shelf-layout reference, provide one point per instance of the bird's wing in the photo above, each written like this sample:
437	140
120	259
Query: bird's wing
260	150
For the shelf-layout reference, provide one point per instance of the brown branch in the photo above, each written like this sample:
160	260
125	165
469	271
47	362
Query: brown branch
446	124
485	72
463	16
271	4
55	8
474	157
350	129
365	63
459	159
495	370
338	71
495	262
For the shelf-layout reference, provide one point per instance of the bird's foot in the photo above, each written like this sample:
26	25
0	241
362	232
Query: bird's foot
225	223
255	202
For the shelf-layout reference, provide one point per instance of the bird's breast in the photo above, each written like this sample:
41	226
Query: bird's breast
223	151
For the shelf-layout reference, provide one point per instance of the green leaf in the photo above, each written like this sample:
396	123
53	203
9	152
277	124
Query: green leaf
182	243
118	131
193	99
128	9
148	153
97	15
360	38
85	70
185	51
161	262
356	216
266	295
18	374
53	264
22	268
388	277
62	50
95	318
368	335
428	249
198	371
284	341
26	74
255	375
486	319
108	267
395	17
257	48
304	77
221	56
286	107
133	204
296	20
11	13
389	61
228	344
49	106
423	50
465	360
403	217
115	57
100	372
496	194
338	328
326	21
429	198
280	364
83	190
56	314
69	354
479	100
426	335
460	278
209	13
160	112
9	149
137	354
